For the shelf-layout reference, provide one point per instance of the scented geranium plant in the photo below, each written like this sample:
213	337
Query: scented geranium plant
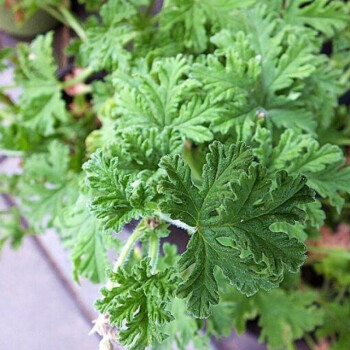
220	118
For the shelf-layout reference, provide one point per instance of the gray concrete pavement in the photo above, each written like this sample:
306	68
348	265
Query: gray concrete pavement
36	311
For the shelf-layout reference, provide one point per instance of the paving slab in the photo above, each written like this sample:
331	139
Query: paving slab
36	311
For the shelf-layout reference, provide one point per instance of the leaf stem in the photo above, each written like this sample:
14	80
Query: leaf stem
309	341
153	251
55	14
177	223
6	99
63	15
72	22
149	9
341	294
125	252
80	78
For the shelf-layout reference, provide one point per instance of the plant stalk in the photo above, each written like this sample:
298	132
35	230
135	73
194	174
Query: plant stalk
153	251
72	22
341	294
149	9
124	254
309	341
80	78
55	14
63	15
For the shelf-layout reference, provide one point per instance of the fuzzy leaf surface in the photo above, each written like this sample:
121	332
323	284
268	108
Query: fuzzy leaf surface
116	198
231	214
138	305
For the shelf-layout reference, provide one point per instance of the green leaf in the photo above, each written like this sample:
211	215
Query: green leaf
138	304
16	137
258	69
315	217
83	234
333	179
315	214
47	185
11	228
184	331
336	324
295	63
42	108
280	326
323	166
116	198
326	17
170	257
233	311
163	98
293	117
5	54
92	5
143	151
230	217
198	19
285	317
336	263
228	83
105	47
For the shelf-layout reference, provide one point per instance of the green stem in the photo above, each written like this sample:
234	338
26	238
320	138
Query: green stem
5	99
326	287
128	246
63	15
55	14
80	78
148	12
153	251
72	22
176	223
341	294
342	142
309	341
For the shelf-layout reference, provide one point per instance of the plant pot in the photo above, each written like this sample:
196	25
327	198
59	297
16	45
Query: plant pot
39	23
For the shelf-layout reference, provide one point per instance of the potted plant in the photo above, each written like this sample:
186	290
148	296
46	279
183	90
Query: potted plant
26	19
219	119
